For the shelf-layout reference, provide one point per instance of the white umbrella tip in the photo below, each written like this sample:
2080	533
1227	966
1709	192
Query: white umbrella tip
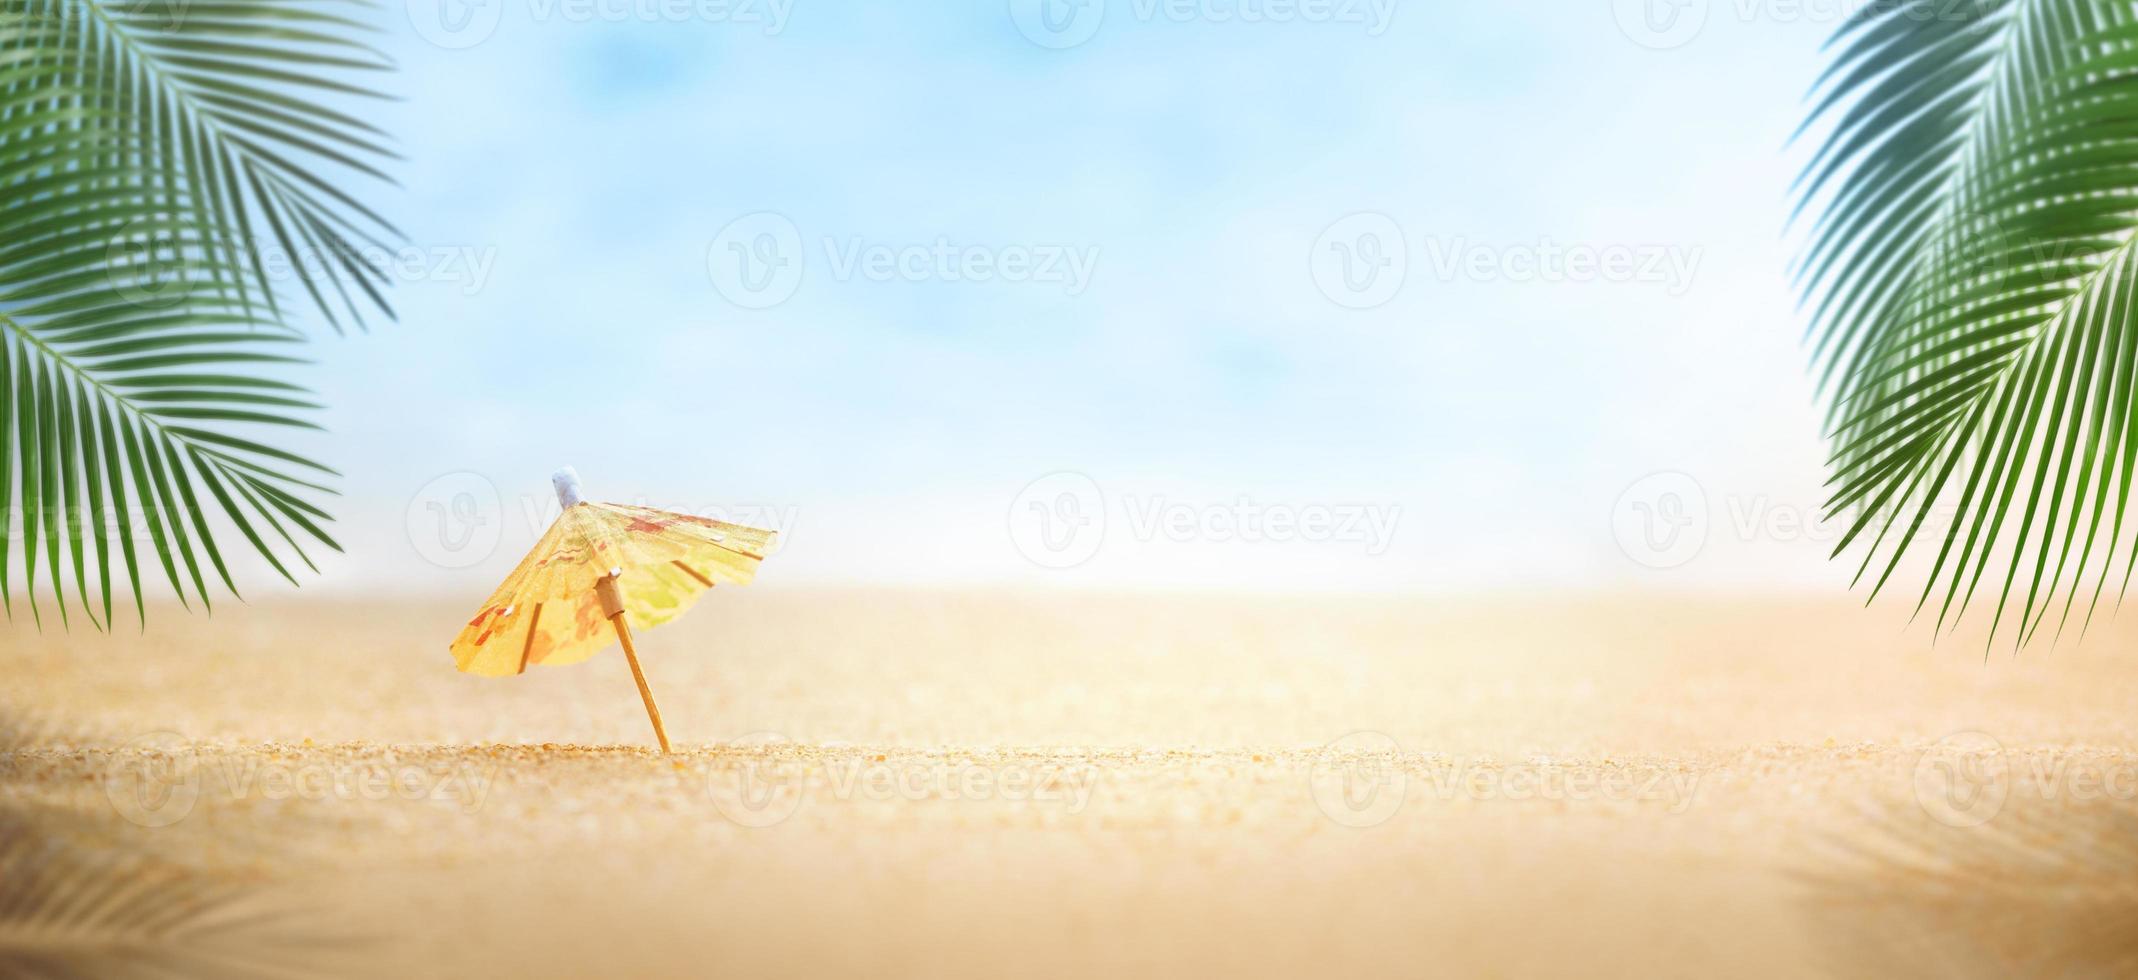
566	481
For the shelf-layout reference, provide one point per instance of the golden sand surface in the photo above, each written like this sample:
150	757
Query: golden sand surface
949	783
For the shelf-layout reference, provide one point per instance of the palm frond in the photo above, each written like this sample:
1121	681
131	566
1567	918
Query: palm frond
141	144
236	116
1973	317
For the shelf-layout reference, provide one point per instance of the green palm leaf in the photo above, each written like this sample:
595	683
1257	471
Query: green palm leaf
141	144
1970	284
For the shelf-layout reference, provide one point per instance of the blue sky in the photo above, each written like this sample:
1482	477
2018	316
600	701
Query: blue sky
589	156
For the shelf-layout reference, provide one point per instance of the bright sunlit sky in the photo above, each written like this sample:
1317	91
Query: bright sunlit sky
591	157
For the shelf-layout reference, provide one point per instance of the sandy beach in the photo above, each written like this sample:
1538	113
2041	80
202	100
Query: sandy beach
981	784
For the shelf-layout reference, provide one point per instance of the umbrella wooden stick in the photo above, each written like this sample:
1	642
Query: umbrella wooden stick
612	604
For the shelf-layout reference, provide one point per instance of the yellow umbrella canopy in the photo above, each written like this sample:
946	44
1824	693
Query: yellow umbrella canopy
600	571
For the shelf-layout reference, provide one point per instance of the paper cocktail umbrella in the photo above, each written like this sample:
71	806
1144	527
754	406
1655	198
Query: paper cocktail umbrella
603	568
